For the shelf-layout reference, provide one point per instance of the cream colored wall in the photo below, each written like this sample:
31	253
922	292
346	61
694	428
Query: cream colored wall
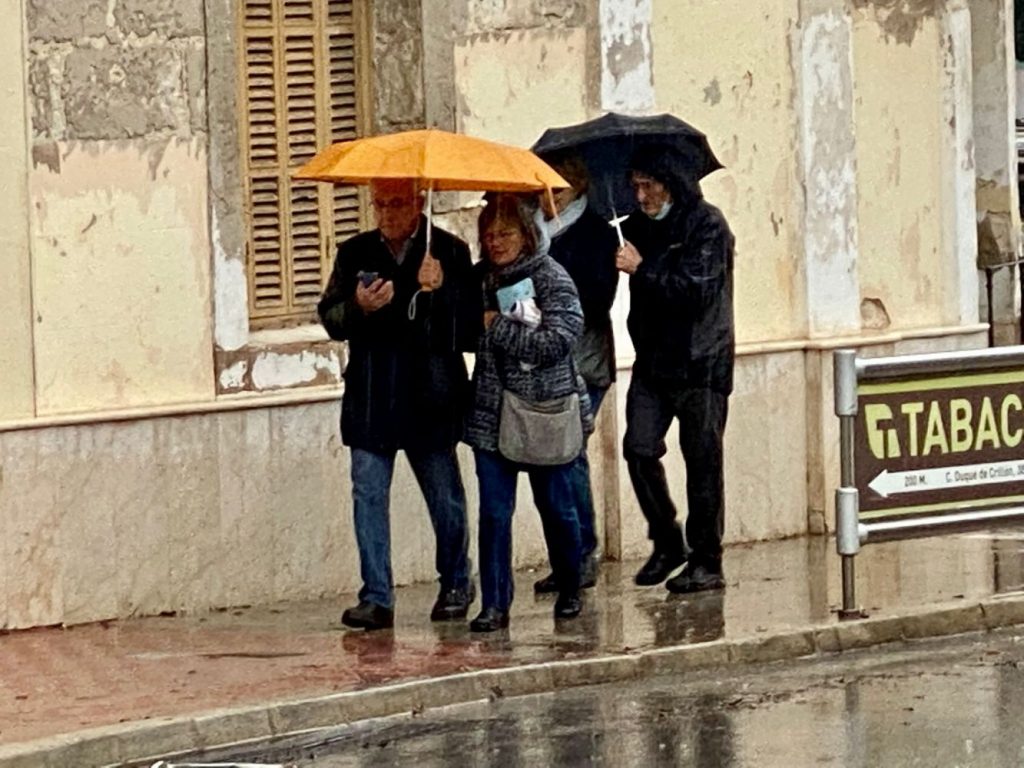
898	91
512	86
121	272
16	383
737	86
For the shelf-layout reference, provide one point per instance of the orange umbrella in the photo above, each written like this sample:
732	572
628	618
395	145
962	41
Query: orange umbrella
443	160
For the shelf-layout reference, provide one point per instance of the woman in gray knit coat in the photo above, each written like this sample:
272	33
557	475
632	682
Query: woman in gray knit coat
528	351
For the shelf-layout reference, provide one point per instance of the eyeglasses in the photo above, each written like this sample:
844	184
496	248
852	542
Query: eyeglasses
393	204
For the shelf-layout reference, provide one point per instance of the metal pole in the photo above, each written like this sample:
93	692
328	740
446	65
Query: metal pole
847	501
991	311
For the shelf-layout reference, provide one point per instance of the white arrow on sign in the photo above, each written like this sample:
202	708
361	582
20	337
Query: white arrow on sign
887	483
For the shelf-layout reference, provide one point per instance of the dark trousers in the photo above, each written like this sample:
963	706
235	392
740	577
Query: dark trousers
554	497
581	484
650	410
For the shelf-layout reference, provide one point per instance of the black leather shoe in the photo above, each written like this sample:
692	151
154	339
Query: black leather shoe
658	567
568	605
588	578
489	620
452	604
368	616
546	586
699	579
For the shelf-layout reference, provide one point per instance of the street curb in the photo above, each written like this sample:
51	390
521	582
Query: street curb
145	741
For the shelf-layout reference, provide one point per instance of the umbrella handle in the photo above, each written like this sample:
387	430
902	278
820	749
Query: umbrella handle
430	227
430	214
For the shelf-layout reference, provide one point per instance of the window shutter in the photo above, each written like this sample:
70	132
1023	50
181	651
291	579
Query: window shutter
300	94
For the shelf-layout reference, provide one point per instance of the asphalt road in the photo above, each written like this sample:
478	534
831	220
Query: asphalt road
954	702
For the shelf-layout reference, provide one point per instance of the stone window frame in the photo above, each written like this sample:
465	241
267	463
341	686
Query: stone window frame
247	360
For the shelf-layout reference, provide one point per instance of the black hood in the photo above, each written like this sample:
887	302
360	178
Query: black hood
668	166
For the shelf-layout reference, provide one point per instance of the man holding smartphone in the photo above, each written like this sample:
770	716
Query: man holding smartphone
407	316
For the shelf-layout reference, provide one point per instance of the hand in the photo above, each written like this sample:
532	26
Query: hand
378	294
627	258
489	317
430	276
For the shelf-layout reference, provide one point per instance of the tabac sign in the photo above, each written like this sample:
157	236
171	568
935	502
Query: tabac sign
932	439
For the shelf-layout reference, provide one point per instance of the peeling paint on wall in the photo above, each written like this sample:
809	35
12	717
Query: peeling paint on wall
233	377
627	82
231	302
899	20
272	370
874	315
829	174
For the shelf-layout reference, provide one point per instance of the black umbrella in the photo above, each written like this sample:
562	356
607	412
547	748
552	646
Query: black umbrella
607	142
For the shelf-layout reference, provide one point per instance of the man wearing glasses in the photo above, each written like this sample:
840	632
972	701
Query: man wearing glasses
407	316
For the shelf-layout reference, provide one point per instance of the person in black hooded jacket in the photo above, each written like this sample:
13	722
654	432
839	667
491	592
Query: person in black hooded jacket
679	255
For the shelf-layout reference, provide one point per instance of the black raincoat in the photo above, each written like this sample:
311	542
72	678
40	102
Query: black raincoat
681	308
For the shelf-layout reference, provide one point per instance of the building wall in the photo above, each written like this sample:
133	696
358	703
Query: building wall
117	206
741	92
898	112
16	374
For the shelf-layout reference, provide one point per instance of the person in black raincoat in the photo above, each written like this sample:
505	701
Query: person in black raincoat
407	317
679	255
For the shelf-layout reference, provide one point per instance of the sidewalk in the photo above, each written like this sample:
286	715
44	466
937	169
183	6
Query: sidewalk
122	691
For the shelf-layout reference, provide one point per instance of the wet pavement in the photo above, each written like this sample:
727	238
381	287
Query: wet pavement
931	703
56	681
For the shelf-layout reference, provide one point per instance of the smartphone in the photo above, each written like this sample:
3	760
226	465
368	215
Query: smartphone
367	278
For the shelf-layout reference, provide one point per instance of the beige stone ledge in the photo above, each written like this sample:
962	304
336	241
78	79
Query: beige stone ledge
222	404
324	393
625	362
144	741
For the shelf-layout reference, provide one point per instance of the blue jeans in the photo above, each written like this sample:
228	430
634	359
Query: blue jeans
553	495
437	473
580	469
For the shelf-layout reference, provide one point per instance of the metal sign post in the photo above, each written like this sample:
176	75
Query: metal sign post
927	443
848	533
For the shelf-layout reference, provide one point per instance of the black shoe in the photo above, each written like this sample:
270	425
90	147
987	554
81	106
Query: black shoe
568	605
699	579
489	620
452	604
546	586
588	577
368	616
588	572
658	567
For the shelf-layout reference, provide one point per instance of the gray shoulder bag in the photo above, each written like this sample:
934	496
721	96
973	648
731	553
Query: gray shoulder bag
546	433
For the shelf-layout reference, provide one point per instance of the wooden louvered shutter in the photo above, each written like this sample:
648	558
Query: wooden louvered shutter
301	93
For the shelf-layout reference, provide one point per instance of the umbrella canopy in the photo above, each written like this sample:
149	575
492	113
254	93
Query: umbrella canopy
443	160
607	142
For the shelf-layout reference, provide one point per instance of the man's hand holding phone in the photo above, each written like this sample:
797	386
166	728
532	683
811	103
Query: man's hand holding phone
372	292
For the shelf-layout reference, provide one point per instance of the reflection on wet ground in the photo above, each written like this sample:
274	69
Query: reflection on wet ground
57	680
944	703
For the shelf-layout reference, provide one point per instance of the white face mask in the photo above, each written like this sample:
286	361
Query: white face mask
665	208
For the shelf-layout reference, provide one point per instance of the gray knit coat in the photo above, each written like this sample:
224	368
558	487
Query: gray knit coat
534	363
